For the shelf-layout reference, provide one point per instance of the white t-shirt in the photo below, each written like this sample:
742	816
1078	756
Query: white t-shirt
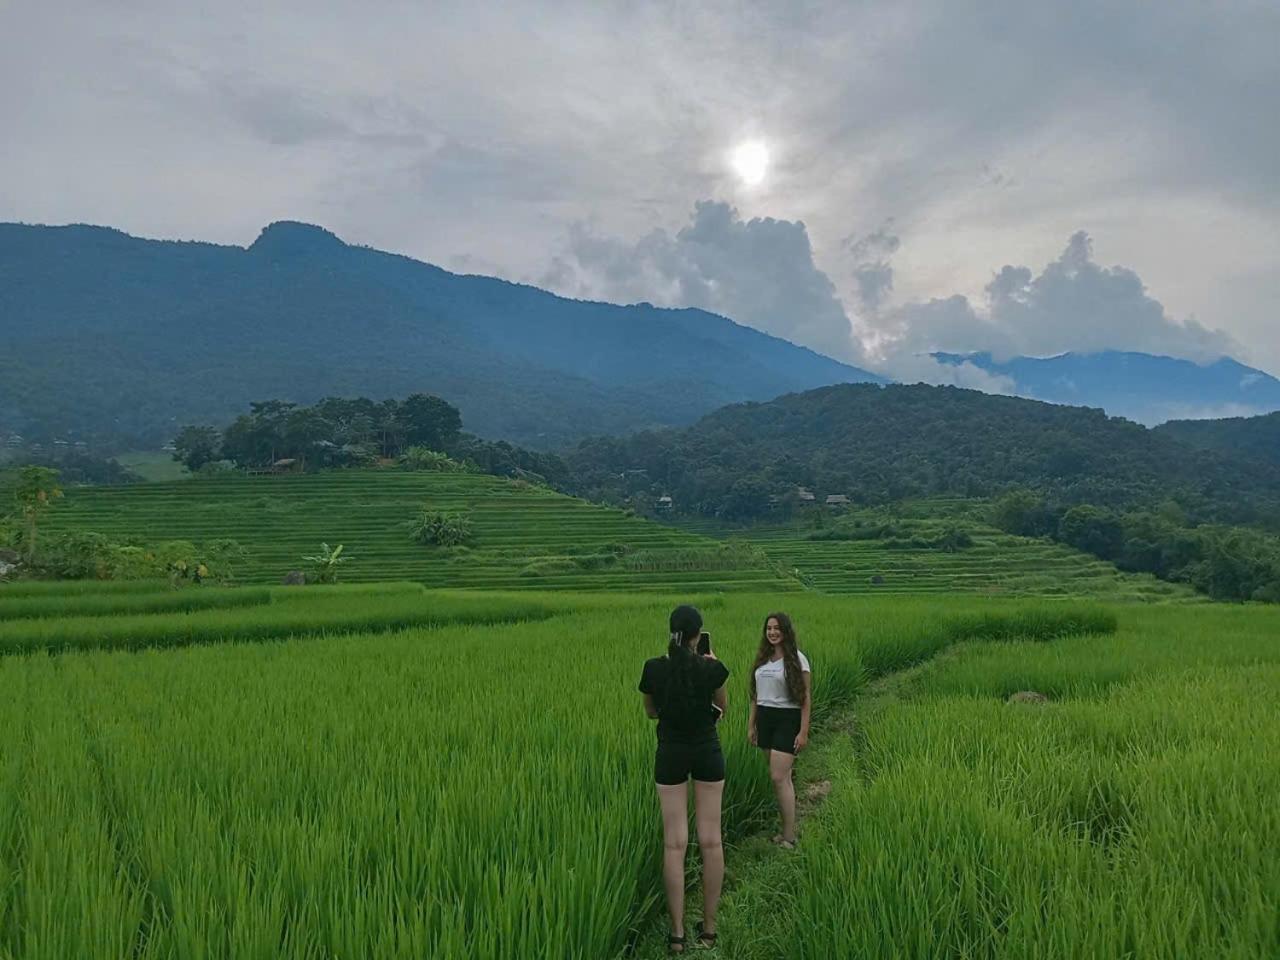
771	683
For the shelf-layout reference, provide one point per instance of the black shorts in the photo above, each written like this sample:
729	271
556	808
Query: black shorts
777	728
676	762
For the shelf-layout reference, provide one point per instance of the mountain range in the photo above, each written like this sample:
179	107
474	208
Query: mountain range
112	337
1141	387
120	340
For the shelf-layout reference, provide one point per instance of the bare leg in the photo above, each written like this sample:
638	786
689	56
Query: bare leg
780	763
706	798
674	800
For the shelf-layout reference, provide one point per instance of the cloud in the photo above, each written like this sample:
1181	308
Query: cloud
986	129
759	272
871	268
1073	304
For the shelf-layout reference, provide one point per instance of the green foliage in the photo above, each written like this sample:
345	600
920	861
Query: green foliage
424	458
1256	438
881	445
196	446
443	529
35	490
326	563
1092	530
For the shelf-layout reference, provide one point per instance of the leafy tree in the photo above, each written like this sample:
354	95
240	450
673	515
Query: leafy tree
747	499
196	446
1092	530
36	490
430	422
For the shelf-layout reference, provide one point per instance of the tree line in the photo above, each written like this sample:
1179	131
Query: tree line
1227	563
343	432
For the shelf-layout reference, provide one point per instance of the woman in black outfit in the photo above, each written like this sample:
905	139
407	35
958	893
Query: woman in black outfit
684	692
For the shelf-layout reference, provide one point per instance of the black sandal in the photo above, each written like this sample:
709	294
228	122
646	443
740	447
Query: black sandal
706	940
673	941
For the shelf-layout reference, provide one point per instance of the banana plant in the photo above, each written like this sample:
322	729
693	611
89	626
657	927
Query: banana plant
326	563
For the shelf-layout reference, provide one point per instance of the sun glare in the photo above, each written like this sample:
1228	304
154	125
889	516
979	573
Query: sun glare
751	161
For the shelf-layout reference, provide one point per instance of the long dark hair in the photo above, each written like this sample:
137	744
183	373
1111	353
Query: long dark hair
790	657
681	698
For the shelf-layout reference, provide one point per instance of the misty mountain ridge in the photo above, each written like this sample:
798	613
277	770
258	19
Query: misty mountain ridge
114	336
1142	387
120	339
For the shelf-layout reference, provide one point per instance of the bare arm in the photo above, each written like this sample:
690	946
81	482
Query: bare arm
751	722
802	740
650	710
720	699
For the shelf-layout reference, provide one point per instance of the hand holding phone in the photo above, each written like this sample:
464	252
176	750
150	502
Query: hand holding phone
704	644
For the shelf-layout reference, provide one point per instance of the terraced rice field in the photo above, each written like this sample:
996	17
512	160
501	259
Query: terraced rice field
996	564
525	537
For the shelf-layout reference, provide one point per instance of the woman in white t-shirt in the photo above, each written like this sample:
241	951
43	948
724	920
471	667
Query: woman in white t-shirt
780	701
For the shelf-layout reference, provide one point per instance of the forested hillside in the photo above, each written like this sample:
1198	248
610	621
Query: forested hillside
114	339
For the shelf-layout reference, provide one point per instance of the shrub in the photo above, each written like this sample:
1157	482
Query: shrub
421	458
442	529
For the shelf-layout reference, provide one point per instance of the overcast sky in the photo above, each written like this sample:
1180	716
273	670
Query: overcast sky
1120	159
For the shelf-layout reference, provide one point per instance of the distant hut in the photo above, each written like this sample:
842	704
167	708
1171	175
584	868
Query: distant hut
837	501
664	504
805	495
286	465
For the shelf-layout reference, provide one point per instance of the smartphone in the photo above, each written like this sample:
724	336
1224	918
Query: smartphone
704	644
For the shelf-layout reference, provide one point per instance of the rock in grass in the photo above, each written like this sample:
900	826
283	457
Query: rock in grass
816	791
295	578
1028	696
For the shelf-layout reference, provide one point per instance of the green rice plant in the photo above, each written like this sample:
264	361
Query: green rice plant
78	588
299	613
461	790
1127	818
107	604
279	519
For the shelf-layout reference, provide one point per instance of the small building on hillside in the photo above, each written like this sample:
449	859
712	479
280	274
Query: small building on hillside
805	495
837	501
286	465
664	504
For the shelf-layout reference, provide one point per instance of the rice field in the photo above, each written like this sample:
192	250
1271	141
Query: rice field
457	789
136	620
1130	816
526	538
996	564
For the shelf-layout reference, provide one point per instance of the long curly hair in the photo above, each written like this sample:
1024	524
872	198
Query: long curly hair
790	657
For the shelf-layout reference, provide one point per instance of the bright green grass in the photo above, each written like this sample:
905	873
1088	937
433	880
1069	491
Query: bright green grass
166	600
478	791
271	614
526	537
1133	816
153	466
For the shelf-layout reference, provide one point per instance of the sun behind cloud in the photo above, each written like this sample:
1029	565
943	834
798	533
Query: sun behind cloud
750	160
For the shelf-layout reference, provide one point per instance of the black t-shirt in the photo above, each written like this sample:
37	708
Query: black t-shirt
684	722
